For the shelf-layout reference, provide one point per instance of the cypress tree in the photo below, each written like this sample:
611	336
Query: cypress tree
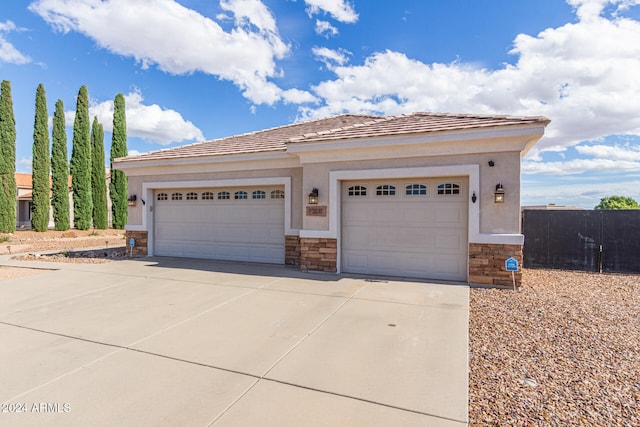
8	189
60	170
98	177
40	164
81	163
118	186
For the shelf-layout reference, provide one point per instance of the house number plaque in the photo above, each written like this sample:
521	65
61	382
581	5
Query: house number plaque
316	211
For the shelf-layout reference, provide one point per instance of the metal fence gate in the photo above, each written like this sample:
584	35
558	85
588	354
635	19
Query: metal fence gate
596	240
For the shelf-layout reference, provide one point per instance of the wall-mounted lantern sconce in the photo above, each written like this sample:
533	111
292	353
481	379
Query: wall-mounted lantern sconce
491	163
474	197
131	201
313	197
499	194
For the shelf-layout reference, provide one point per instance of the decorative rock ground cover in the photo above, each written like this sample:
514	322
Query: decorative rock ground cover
564	350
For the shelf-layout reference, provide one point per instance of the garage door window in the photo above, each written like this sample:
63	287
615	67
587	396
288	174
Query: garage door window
416	190
176	196
162	196
224	195
277	194
207	195
448	188
258	194
357	190
192	196
240	195
386	190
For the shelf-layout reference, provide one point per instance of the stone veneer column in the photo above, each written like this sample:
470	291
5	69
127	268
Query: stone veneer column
140	244
292	250
486	264
318	254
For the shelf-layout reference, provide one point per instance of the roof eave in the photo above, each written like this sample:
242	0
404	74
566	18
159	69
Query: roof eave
124	164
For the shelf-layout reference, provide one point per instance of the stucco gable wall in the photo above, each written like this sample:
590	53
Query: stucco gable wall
494	218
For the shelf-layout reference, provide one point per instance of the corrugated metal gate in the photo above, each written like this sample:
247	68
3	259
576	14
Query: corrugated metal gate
597	240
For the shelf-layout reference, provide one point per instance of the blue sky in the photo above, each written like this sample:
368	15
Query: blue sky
202	69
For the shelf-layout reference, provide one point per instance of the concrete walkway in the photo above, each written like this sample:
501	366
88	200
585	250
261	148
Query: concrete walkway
176	342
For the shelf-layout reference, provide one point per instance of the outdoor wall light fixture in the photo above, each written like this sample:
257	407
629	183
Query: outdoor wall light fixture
491	163
474	197
132	200
313	197
499	194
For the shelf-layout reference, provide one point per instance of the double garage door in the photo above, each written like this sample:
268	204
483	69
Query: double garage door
410	228
236	224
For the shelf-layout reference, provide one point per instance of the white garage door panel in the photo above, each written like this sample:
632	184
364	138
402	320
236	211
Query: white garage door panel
422	235
234	230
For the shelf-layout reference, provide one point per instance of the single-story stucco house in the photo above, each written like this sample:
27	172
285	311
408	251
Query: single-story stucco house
421	195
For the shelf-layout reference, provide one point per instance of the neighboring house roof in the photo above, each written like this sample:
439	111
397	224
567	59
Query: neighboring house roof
25	180
348	126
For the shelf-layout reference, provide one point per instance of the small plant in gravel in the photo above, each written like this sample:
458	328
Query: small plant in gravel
4	239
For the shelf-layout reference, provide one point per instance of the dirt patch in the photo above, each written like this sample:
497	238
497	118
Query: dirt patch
564	350
28	241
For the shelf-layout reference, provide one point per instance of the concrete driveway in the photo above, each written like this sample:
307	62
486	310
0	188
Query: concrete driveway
175	342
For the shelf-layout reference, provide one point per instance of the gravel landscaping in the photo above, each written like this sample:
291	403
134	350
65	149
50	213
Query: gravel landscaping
564	350
95	256
32	245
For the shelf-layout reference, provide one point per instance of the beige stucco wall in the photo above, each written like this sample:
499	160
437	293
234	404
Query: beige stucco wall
494	218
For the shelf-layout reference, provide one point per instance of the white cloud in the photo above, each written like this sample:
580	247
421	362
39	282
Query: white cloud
584	195
607	159
615	152
582	75
179	40
578	166
149	122
340	10
331	57
251	12
325	29
296	96
8	52
24	165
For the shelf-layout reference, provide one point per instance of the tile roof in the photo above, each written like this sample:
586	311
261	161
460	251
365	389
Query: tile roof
416	123
274	139
25	180
347	126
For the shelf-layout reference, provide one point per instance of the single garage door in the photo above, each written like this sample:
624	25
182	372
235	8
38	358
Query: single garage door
237	224
410	228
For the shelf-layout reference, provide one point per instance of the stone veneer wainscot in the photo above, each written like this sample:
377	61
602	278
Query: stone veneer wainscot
318	254
140	242
292	250
486	264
